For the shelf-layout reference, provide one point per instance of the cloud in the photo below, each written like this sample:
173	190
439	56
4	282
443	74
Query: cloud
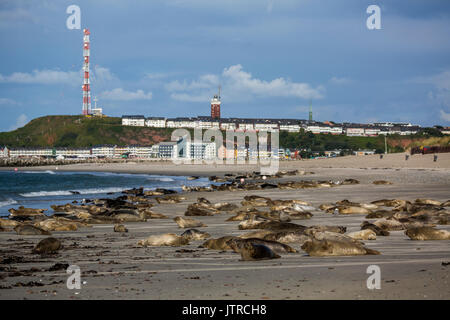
43	77
280	87
340	81
445	116
123	95
157	75
190	98
206	81
7	101
240	85
98	75
441	83
20	122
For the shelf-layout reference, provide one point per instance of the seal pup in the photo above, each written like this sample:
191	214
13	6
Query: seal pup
251	252
188	222
275	246
30	230
120	228
167	239
366	234
47	245
217	244
321	248
427	233
194	234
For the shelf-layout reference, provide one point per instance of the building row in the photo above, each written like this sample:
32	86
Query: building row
289	125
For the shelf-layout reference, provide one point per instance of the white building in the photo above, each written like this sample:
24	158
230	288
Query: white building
138	121
103	151
371	132
266	126
291	127
155	122
202	150
73	152
336	130
228	126
30	152
354	132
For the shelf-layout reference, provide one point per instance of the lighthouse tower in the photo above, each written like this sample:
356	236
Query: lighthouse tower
215	106
86	85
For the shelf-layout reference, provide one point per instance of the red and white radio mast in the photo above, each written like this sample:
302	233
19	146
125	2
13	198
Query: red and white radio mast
86	85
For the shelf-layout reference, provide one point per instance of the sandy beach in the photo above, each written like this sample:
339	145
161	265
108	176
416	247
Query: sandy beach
392	161
114	267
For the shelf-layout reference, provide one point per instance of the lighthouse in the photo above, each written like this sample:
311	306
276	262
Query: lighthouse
215	106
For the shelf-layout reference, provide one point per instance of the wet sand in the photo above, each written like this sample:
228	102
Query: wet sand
114	267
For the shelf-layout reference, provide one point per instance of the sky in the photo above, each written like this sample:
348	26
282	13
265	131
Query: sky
271	58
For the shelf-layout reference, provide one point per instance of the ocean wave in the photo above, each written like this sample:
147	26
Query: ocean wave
7	202
70	192
46	171
163	179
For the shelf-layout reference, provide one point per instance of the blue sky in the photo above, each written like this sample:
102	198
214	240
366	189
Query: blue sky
167	57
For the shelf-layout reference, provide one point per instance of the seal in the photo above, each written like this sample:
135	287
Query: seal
149	214
321	248
427	233
366	234
218	244
379	182
47	245
336	229
30	230
188	222
6	223
26	212
167	239
194	234
389	224
428	201
260	234
351	210
57	225
120	228
287	237
328	235
273	245
378	231
250	251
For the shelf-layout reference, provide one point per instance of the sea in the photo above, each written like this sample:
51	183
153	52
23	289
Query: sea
41	189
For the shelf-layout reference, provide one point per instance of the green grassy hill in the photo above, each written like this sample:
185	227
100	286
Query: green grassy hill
80	131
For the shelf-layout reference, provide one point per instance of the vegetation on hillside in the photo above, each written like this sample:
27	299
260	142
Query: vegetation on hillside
80	131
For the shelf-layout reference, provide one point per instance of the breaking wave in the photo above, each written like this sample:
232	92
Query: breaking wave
70	192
